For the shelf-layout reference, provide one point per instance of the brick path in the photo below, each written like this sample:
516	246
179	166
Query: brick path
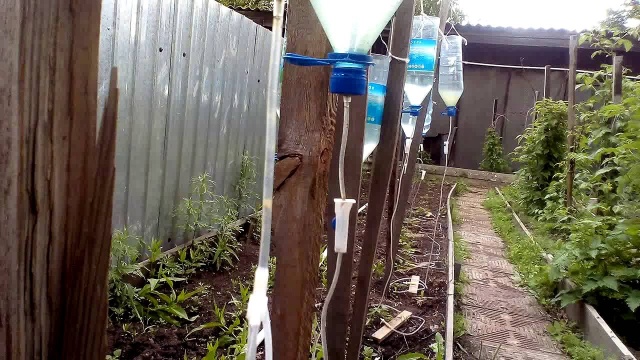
498	311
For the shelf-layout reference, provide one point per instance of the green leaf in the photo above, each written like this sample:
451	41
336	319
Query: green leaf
568	298
627	44
634	300
412	356
179	311
610	282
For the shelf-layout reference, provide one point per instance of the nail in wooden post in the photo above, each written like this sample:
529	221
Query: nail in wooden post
381	171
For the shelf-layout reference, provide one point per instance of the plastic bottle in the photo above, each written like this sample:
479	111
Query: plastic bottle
378	75
422	58
428	118
352	26
407	121
450	80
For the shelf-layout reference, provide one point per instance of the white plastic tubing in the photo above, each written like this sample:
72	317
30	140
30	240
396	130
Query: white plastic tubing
257	310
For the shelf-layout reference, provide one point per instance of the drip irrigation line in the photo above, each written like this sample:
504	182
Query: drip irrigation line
542	68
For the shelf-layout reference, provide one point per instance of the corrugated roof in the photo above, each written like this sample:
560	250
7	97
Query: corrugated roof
520	30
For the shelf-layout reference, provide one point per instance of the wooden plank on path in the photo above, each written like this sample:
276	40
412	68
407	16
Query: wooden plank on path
385	331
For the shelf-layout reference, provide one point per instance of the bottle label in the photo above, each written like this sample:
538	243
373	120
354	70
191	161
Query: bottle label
422	55
375	103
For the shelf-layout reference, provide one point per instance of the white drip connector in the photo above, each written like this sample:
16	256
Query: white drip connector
343	209
446	147
423	175
407	146
258	300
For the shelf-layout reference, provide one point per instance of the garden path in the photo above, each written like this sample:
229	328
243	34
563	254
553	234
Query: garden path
499	313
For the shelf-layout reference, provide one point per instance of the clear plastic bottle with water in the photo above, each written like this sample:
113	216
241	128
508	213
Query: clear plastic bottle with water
378	75
450	80
428	118
407	121
422	58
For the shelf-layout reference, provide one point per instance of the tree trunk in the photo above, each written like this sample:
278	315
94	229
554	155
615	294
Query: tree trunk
56	182
305	148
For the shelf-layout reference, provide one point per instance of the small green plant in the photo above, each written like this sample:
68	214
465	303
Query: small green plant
152	304
378	269
242	300
115	356
572	344
493	157
415	356
460	249
368	353
459	325
122	295
424	158
316	347
461	188
377	313
438	347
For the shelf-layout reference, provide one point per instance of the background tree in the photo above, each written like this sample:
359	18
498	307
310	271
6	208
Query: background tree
618	19
432	7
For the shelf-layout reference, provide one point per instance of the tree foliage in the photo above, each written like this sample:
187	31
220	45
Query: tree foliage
493	157
432	7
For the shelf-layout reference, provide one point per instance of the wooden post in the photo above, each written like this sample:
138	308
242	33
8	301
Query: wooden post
617	79
305	140
495	113
56	182
571	121
547	82
399	209
381	172
338	313
404	191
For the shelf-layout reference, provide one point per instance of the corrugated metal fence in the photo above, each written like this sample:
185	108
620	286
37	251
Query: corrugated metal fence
192	79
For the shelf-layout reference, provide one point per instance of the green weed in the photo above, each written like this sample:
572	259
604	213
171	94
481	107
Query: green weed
573	344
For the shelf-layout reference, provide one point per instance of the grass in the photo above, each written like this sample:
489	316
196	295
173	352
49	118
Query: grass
572	344
459	325
526	256
460	250
522	252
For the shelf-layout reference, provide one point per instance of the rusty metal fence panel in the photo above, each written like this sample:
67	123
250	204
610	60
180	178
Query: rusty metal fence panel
192	78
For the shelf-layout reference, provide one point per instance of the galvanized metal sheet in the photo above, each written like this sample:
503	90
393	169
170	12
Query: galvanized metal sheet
192	79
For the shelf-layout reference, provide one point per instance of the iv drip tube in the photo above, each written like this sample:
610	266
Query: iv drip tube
257	309
343	236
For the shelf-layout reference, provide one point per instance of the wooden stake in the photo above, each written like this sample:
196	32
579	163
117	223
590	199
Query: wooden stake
338	314
571	112
56	182
407	178
617	79
547	82
305	140
396	322
381	172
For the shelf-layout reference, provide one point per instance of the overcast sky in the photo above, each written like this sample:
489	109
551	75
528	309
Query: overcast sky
558	14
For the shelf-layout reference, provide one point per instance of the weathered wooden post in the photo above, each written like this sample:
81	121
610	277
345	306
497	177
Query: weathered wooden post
56	182
381	171
571	112
404	189
305	146
547	82
338	313
617	79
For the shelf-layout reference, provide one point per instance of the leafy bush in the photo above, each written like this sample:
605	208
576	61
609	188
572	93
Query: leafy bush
541	153
493	157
